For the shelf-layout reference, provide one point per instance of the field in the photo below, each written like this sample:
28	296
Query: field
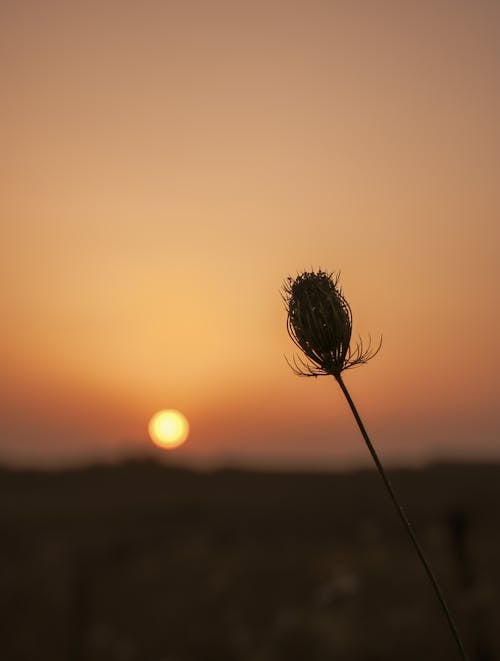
141	562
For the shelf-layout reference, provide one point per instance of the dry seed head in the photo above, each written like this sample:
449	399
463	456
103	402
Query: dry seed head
320	323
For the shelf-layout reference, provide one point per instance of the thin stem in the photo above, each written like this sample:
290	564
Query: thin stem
404	520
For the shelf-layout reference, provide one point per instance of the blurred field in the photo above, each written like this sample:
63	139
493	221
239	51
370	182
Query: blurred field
140	562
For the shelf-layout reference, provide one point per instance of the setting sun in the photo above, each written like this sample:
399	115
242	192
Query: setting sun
168	429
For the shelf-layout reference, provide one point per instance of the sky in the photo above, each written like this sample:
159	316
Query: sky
167	164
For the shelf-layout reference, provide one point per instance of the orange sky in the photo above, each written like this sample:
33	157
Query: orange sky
165	165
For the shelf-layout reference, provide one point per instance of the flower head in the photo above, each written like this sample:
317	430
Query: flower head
320	323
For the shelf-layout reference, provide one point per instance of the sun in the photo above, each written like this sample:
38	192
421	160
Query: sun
168	429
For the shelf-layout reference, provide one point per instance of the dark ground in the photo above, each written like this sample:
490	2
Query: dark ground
140	562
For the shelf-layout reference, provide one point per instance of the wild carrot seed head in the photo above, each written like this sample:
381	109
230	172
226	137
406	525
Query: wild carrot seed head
319	321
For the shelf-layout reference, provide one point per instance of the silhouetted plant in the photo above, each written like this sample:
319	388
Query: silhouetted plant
319	321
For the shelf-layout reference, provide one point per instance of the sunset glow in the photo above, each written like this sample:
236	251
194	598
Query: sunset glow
166	168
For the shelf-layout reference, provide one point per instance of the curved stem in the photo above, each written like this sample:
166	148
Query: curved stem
404	520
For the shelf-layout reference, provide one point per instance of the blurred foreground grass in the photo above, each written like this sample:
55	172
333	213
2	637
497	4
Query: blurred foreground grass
139	562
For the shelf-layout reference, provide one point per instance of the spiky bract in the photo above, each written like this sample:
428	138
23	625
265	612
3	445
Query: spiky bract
320	323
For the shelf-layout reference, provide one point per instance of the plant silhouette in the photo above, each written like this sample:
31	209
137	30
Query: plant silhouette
319	321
